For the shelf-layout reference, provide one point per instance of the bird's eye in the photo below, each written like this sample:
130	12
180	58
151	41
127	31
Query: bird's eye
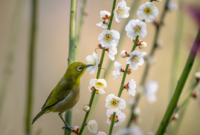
79	68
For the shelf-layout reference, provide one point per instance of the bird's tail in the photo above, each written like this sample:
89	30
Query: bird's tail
38	115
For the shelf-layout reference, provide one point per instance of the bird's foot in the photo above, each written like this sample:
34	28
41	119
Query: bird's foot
67	127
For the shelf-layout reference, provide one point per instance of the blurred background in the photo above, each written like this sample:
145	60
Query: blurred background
51	55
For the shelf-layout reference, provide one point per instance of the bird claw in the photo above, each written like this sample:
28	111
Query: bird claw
67	127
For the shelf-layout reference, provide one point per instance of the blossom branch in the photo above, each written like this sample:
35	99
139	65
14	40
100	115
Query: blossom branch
147	66
98	74
122	85
180	85
123	33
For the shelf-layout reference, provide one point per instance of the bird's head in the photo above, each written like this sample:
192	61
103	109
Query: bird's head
77	69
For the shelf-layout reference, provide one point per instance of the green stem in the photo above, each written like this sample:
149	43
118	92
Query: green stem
80	25
31	67
112	123
125	72
122	85
98	74
147	66
72	53
179	87
112	14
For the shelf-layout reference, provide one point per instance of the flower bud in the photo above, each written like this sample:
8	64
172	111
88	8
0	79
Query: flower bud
195	94
99	45
175	116
143	45
129	71
86	108
124	54
136	111
75	129
126	86
197	76
121	70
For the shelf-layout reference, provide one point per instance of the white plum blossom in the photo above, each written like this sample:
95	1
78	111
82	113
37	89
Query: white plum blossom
92	126
136	59
147	11
92	59
98	84
134	130
121	11
124	54
131	87
101	133
150	91
109	38
112	52
117	71
115	103
119	117
171	5
136	27
105	16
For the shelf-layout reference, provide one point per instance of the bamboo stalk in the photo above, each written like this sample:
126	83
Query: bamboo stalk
31	66
98	74
179	87
72	53
147	66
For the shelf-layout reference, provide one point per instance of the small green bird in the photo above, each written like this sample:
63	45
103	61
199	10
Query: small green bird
66	93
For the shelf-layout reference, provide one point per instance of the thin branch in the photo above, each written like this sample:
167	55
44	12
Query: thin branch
31	67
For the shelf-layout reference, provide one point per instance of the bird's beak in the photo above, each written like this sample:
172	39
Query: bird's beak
89	65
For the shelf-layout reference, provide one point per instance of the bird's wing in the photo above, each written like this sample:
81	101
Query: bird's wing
58	94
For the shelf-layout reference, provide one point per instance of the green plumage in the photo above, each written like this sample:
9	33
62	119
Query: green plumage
66	93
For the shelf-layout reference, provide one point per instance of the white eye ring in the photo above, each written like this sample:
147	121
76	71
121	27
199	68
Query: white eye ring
79	68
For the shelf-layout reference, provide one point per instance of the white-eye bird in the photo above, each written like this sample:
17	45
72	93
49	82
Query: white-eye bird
66	93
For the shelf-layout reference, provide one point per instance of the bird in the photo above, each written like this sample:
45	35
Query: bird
66	93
